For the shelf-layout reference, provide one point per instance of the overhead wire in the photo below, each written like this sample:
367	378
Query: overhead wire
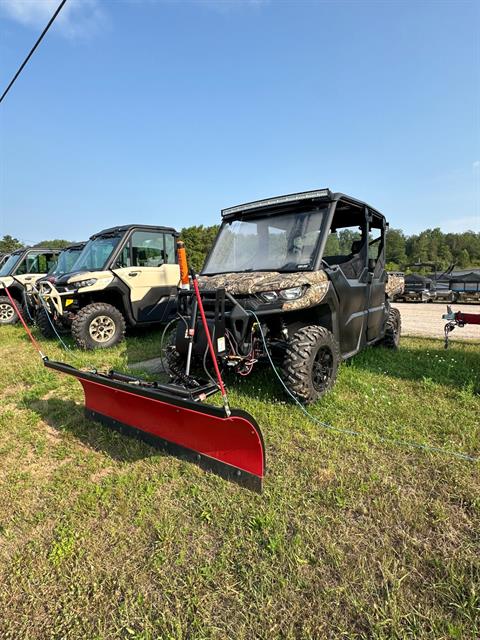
32	50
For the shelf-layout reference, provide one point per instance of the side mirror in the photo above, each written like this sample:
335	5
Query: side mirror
371	265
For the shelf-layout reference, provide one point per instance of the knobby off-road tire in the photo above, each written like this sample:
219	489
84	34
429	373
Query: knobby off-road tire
44	324
8	315
393	328
311	363
98	326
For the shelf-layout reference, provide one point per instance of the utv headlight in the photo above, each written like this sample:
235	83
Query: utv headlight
291	294
269	296
84	283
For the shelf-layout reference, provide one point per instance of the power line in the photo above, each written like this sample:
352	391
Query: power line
51	21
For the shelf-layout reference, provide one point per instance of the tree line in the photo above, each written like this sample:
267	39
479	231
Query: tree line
431	245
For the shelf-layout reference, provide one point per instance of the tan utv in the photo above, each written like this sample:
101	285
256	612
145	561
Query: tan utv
3	258
19	272
124	276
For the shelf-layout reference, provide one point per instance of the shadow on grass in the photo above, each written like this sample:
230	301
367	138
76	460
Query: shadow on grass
67	416
458	366
143	344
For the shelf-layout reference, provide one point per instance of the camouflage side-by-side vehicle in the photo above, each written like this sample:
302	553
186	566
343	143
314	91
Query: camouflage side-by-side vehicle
271	290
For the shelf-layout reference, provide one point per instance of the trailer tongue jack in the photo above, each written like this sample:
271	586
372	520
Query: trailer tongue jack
171	416
458	319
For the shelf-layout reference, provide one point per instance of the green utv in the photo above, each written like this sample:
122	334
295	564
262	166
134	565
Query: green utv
124	276
278	286
19	273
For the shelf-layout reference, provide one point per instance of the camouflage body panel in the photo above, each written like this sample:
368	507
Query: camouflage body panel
316	285
395	284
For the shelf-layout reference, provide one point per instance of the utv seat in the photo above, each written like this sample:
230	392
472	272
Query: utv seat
351	265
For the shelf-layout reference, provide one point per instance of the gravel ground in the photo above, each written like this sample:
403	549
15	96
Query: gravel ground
425	319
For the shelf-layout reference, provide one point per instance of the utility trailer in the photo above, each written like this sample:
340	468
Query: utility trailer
466	287
268	295
458	319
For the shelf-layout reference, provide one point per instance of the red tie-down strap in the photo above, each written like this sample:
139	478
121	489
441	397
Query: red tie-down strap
25	326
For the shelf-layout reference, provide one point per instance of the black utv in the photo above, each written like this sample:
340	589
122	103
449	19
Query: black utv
300	279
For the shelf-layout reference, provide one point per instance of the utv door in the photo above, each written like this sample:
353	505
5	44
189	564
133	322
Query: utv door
148	266
377	278
346	254
34	266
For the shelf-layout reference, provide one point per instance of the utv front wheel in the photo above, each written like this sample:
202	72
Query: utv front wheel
47	325
98	326
311	363
8	315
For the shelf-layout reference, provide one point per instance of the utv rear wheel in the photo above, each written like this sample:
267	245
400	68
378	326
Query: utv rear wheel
311	363
98	326
393	328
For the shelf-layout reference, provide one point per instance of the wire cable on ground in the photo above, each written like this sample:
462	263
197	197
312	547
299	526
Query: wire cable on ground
32	50
351	432
52	324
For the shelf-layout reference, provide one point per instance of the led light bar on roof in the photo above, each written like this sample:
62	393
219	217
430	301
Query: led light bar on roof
294	197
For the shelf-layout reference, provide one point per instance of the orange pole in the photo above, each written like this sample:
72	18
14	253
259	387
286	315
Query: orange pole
183	264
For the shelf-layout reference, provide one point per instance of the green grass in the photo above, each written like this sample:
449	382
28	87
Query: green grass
103	537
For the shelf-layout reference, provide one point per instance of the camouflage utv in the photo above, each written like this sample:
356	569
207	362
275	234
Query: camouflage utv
275	286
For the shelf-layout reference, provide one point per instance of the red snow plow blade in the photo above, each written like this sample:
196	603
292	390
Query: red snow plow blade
231	447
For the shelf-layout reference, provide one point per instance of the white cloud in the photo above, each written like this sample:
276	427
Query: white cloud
78	18
476	164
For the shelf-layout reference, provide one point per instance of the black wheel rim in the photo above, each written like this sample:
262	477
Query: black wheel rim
322	369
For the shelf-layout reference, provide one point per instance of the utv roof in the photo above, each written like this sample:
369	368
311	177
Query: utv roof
126	227
37	249
75	245
281	202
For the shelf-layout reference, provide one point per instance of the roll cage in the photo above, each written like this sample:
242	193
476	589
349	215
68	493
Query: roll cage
342	211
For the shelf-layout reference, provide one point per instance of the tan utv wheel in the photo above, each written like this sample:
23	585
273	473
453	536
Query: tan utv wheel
98	326
8	315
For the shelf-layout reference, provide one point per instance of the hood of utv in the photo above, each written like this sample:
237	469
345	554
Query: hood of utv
77	276
6	281
314	283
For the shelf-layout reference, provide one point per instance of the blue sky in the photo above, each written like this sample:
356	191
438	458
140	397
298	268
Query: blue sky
165	112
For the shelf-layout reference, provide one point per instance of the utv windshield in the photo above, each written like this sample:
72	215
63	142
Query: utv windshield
96	253
65	262
285	242
10	264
